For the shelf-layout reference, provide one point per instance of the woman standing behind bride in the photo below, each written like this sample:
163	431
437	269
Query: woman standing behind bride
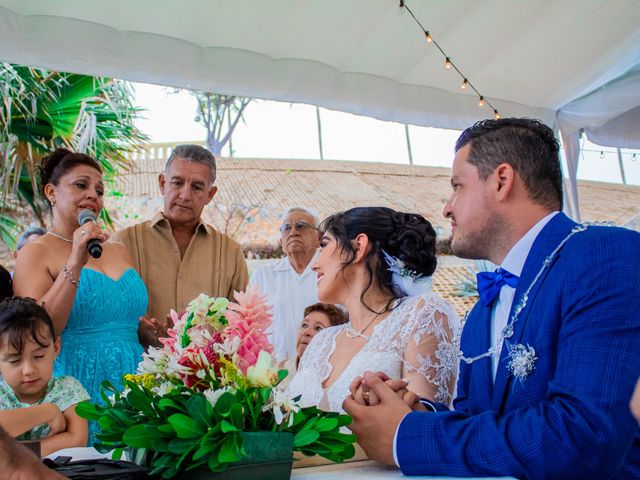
377	263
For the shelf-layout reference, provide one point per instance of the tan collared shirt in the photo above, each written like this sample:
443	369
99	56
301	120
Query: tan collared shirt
213	264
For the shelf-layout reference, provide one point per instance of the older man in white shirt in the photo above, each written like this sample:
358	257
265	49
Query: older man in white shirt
289	284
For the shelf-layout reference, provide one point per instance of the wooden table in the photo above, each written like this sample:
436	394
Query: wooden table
361	470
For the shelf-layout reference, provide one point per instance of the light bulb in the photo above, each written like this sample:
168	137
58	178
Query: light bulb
481	102
601	154
447	64
495	112
464	84
427	36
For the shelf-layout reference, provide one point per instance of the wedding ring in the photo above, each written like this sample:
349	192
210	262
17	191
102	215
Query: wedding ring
366	395
83	232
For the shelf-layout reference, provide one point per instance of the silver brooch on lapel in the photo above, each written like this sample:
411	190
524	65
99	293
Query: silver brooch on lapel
522	360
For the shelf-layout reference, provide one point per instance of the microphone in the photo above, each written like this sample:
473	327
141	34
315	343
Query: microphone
93	246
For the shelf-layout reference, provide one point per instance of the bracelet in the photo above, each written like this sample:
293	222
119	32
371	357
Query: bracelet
68	275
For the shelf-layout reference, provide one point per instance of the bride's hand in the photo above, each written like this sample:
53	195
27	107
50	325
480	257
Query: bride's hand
362	393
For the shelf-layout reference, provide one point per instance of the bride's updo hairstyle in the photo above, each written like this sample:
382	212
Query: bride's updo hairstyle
409	237
55	165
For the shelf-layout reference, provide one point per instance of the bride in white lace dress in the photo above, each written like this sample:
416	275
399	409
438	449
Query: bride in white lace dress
377	263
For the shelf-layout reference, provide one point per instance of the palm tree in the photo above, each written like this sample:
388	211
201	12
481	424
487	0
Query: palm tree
42	110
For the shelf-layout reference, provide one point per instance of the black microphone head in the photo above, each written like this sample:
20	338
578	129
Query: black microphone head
86	216
94	248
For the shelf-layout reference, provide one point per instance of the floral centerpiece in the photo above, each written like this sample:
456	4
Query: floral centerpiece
212	381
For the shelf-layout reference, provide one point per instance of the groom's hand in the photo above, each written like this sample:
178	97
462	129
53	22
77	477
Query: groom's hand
376	425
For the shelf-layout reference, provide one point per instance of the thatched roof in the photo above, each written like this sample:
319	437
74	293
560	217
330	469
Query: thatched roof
331	186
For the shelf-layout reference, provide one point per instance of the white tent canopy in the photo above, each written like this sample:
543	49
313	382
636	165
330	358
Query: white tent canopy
573	64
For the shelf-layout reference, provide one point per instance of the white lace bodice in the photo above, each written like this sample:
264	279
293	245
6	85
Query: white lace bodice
416	321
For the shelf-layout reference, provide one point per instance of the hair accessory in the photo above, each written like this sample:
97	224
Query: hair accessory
406	281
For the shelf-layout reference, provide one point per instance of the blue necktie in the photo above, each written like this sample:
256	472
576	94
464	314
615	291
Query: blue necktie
490	283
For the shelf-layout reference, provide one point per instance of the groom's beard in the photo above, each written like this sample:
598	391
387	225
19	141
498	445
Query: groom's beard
485	243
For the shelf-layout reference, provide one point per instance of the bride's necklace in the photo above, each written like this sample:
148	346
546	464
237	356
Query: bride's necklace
68	240
353	333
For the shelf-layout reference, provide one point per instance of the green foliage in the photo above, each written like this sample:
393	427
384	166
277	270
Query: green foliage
42	110
182	430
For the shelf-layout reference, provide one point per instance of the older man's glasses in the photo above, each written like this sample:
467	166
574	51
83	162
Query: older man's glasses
287	228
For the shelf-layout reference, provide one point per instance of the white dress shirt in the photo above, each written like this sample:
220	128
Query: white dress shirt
514	263
289	293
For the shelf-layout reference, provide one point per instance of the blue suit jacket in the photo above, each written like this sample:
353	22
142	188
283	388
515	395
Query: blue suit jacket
570	417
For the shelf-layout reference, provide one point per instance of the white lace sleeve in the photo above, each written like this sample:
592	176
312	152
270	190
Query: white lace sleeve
429	326
314	368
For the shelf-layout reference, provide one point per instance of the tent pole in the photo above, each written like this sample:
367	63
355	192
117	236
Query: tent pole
624	179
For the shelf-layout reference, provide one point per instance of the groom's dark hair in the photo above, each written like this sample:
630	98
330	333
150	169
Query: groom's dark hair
528	145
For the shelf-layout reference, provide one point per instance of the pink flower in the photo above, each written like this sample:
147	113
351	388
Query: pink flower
170	341
248	320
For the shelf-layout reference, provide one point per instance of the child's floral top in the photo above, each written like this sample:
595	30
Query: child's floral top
62	391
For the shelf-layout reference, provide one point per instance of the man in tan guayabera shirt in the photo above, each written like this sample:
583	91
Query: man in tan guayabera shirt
177	255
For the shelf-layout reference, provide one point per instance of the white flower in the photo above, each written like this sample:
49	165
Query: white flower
282	405
213	395
154	361
228	347
174	368
522	360
163	389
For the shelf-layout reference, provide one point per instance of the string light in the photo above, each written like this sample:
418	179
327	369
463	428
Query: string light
633	157
601	154
448	64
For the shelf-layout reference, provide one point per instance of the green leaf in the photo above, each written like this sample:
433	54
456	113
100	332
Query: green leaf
326	424
88	411
224	404
141	402
229	450
235	415
196	406
226	427
204	450
138	437
186	427
181	445
305	437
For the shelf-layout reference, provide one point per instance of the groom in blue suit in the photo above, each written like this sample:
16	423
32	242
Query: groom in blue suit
550	353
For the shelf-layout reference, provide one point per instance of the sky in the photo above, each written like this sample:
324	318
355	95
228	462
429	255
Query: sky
284	130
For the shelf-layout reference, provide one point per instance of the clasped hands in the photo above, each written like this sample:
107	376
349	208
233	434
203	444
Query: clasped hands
363	393
150	330
377	405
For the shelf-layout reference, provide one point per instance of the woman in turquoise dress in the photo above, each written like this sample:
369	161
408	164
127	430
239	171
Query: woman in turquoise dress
94	303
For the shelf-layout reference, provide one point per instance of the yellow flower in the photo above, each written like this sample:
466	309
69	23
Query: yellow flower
262	374
146	380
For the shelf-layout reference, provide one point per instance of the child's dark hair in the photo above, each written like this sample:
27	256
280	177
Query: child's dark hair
22	318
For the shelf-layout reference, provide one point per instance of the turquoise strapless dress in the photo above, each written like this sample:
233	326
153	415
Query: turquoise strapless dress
100	341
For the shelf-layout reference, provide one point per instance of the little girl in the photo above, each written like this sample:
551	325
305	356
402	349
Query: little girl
33	405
